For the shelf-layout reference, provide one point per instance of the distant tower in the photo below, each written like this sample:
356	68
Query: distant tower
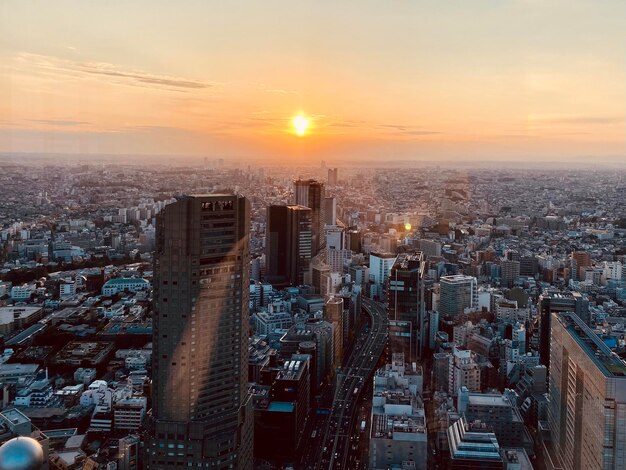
201	403
310	193
332	177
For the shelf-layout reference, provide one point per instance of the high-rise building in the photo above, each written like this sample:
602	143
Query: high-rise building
333	313
310	193
580	261
587	390
552	300
288	244
332	176
405	296
509	271
201	408
330	210
457	293
380	266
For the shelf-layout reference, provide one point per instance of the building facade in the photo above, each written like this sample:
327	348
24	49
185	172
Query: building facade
201	409
587	404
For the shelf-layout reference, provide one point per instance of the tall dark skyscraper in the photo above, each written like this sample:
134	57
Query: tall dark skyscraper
311	194
201	411
407	318
288	244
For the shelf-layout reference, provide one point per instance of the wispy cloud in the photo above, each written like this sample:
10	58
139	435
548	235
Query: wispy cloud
582	120
58	122
108	70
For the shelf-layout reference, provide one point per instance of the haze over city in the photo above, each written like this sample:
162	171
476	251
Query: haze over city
331	235
512	81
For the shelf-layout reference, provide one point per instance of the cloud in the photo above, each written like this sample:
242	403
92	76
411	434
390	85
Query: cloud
108	70
583	120
58	122
141	77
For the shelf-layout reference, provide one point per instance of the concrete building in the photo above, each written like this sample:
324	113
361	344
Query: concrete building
587	397
17	318
458	294
473	446
500	412
509	271
398	434
463	371
201	408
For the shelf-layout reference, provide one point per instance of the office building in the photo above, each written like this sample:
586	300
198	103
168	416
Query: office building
580	261
587	397
405	297
281	418
288	245
332	176
473	446
509	271
311	194
201	409
334	314
550	301
380	266
458	294
500	412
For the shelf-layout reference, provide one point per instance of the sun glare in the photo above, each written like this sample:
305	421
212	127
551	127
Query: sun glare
300	124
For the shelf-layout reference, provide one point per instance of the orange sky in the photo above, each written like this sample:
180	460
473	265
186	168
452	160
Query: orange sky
400	80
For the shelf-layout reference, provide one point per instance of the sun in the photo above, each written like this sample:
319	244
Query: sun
300	124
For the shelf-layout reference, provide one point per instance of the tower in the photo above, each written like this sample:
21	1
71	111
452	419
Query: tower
311	194
289	244
406	308
202	413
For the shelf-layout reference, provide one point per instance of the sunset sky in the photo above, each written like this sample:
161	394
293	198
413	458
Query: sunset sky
424	80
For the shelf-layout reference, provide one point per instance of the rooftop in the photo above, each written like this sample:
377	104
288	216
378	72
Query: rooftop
602	356
10	314
126	280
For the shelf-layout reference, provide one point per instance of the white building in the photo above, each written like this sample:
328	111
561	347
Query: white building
122	284
23	292
398	437
380	267
463	371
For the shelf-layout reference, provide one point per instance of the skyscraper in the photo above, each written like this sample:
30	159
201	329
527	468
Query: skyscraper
332	176
580	260
406	305
201	409
288	244
587	405
552	300
310	193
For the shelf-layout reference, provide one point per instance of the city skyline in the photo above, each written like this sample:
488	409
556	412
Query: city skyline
422	81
